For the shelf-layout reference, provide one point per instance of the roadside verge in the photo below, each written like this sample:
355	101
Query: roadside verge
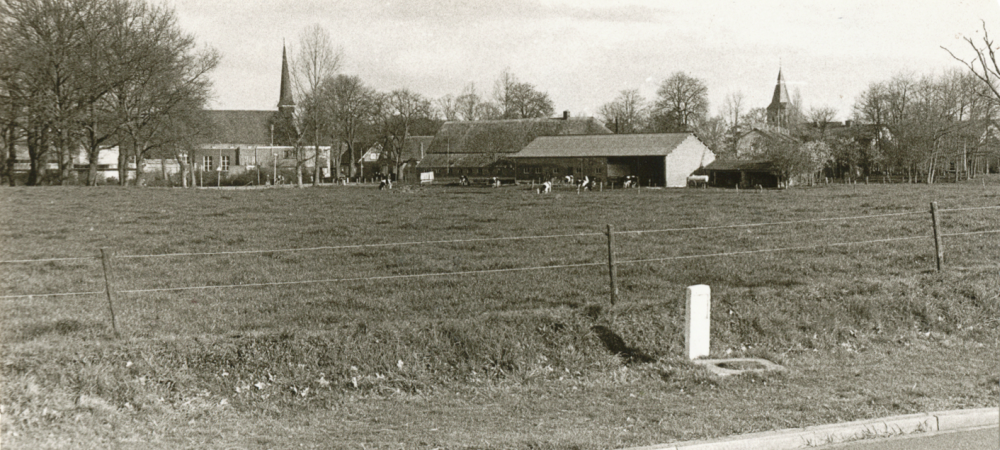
798	438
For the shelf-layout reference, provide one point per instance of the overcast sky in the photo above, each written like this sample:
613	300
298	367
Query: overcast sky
583	52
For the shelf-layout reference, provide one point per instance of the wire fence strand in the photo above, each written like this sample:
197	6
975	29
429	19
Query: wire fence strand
458	241
970	208
968	233
762	224
59	294
80	258
486	271
773	250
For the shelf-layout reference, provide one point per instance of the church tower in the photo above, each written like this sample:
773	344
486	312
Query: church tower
286	103
780	108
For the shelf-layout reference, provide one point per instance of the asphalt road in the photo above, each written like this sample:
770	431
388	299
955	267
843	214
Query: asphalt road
981	439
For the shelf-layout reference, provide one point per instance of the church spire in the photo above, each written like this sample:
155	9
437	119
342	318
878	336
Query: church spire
779	109
285	102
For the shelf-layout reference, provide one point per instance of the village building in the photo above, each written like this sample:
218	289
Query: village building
664	160
483	148
241	140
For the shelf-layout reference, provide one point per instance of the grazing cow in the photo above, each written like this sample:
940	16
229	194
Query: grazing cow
586	183
463	180
630	181
568	179
546	187
384	183
495	182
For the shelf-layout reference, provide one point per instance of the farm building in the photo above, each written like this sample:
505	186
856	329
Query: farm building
750	144
656	159
741	173
379	162
483	148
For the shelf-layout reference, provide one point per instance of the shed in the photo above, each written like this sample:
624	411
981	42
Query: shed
662	159
742	173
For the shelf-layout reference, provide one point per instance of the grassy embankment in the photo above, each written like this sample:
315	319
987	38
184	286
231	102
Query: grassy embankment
522	359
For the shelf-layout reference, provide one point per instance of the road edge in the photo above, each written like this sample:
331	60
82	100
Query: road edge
808	437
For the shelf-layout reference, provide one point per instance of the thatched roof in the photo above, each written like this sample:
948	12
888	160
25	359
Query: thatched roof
416	147
506	136
613	145
456	160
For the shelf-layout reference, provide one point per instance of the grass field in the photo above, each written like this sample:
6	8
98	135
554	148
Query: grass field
405	319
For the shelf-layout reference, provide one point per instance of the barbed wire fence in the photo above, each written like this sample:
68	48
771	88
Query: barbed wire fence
110	291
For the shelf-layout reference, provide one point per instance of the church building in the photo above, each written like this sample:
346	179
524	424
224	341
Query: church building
241	140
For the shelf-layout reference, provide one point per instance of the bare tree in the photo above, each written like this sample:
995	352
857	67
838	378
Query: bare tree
316	60
448	107
350	105
732	114
983	65
169	81
628	113
519	100
821	117
400	111
682	102
467	103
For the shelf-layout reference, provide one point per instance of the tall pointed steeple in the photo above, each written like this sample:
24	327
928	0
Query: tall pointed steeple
285	102
777	111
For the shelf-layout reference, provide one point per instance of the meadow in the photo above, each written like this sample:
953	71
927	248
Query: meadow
469	317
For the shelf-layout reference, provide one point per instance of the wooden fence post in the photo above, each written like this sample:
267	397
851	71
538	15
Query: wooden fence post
938	247
106	263
612	269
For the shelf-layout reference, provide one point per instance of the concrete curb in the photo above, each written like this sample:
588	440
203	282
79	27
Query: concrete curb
798	438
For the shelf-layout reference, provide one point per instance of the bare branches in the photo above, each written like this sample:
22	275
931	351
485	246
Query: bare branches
984	65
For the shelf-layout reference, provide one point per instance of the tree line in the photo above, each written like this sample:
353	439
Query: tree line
86	74
913	127
82	74
341	110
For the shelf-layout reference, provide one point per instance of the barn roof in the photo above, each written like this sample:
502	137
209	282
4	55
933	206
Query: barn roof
660	144
506	136
456	160
412	148
738	165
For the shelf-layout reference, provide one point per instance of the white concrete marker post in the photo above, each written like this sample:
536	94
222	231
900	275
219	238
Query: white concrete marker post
697	320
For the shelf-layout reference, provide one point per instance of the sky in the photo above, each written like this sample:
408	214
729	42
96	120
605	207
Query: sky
584	52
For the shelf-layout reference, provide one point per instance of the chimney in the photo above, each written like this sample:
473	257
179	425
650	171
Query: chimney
566	115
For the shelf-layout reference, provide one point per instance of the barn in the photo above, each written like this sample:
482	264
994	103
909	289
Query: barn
481	149
664	159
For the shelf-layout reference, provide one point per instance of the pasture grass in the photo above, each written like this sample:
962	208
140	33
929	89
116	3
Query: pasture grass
371	351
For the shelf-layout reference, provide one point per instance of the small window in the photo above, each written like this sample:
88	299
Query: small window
525	170
206	162
225	162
